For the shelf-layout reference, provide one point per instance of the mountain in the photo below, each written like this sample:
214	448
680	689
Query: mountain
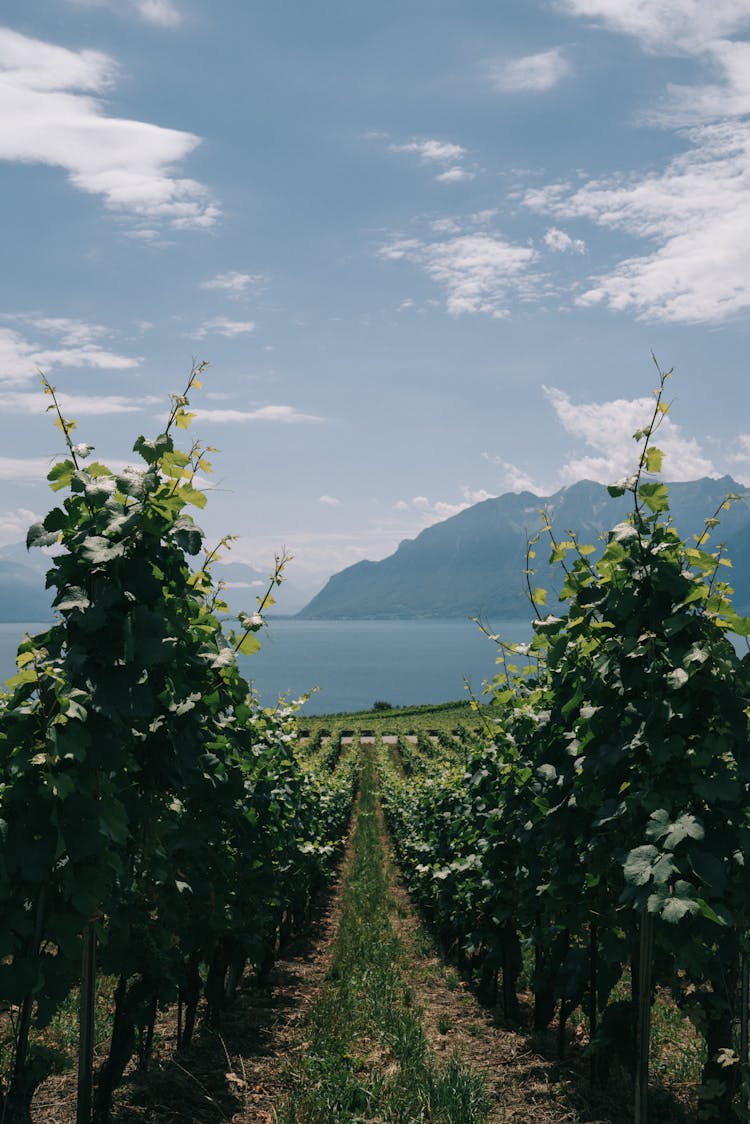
22	593
23	597
244	584
473	563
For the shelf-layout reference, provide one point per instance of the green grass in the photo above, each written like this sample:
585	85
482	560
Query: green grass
443	717
366	1057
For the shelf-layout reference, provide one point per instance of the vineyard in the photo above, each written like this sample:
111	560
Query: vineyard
158	828
577	847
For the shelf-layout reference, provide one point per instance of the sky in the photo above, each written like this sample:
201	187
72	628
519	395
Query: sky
428	249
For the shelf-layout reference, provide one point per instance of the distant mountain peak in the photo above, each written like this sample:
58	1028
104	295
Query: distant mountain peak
473	562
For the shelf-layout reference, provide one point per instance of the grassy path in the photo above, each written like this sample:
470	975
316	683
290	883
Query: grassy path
366	1056
360	1022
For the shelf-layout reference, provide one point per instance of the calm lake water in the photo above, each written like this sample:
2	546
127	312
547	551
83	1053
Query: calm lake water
353	663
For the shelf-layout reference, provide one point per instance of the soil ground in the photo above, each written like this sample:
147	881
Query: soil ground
241	1075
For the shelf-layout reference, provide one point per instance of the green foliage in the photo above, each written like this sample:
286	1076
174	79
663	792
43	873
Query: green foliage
142	787
616	782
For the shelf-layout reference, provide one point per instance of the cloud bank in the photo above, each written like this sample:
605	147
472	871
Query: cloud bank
50	115
478	271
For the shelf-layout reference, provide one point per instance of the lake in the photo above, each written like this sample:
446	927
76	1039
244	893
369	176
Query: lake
353	663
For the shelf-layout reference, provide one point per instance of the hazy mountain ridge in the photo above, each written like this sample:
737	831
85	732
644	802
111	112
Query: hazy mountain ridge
23	597
473	562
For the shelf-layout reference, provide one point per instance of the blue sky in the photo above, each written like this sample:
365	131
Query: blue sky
427	248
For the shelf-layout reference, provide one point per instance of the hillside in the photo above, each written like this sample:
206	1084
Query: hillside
473	563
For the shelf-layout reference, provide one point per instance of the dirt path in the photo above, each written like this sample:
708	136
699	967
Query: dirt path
245	1074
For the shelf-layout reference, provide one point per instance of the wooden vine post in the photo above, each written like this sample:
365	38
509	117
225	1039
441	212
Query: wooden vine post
744	1014
643	1029
86	1027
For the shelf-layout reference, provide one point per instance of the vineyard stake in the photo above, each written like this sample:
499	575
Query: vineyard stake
744	1004
643	1032
28	1003
86	1024
593	1008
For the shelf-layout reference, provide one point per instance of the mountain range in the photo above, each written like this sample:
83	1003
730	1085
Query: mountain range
473	563
23	597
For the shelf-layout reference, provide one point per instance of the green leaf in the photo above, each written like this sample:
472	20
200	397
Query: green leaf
710	913
187	536
547	772
28	675
113	821
97	549
61	474
677	678
655	496
152	451
685	826
73	598
173	464
131	481
183	418
250	644
675	909
639	863
193	495
623	532
654	458
663	869
38	536
737	624
710	869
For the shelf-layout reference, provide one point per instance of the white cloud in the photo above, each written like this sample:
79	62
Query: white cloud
693	213
560	242
25	469
72	333
666	25
478	271
149	237
15	524
532	73
233	284
329	501
740	460
433	511
445	226
698	213
743	453
454	175
223	326
607	428
48	119
728	96
514	479
21	360
163	13
74	405
33	470
286	415
431	151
